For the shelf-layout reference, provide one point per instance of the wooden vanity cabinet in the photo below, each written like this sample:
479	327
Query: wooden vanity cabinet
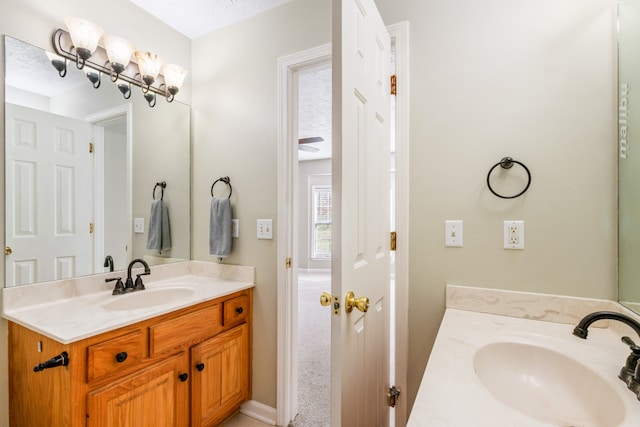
191	367
157	391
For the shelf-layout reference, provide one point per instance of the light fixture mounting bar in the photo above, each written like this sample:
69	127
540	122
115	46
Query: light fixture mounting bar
100	62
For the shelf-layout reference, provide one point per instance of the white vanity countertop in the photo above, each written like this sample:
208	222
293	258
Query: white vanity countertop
71	310
452	395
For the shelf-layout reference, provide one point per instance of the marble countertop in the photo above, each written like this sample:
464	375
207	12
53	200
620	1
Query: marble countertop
74	309
451	394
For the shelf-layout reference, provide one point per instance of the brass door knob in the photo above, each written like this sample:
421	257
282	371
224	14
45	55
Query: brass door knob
8	250
351	301
325	299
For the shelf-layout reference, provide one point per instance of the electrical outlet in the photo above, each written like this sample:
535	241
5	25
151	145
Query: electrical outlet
265	229
235	228
514	234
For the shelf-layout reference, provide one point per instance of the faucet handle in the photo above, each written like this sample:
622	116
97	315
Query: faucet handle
119	288
139	286
628	373
632	345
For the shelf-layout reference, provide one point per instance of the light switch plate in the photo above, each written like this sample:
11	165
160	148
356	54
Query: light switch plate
138	225
453	233
265	229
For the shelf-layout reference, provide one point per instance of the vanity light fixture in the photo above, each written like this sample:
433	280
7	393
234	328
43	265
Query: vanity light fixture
58	62
85	36
124	88
173	77
119	52
94	77
116	57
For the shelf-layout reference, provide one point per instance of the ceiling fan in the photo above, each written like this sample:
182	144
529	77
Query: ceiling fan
311	140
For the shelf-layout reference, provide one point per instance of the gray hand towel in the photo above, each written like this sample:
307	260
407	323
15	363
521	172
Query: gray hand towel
159	237
220	228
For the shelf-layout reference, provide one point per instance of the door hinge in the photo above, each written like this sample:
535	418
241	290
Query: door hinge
392	245
288	262
90	228
91	147
392	396
393	84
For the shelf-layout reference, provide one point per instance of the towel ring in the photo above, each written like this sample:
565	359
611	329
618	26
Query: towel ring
507	163
162	186
226	180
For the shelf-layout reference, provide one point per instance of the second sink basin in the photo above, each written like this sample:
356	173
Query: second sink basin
147	298
547	385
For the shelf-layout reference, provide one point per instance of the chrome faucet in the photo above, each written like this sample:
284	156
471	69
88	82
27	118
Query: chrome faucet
630	372
139	286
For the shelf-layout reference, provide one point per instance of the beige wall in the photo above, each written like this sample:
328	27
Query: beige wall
235	134
34	21
533	79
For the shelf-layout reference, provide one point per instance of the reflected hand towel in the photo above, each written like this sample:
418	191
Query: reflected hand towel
220	228
159	237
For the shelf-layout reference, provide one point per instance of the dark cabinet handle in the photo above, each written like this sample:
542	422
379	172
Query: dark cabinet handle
239	310
183	377
121	357
200	367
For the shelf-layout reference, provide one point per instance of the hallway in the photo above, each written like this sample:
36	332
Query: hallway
314	351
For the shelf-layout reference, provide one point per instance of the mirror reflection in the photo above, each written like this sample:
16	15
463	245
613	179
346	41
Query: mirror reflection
82	167
628	154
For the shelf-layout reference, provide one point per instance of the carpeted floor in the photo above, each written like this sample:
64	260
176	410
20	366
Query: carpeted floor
314	352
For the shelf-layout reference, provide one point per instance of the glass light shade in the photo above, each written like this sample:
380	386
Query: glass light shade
119	50
173	75
148	63
84	34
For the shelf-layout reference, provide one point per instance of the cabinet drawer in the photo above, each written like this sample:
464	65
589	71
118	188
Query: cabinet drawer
114	355
235	309
173	334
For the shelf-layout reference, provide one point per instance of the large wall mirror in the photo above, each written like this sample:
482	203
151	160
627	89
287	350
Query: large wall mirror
629	153
82	166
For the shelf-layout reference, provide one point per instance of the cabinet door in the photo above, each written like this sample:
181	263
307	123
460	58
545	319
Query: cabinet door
220	382
154	397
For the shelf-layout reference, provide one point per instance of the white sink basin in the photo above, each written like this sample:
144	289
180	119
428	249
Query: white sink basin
147	298
547	385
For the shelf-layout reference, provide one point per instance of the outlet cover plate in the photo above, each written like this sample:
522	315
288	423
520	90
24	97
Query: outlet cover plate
514	234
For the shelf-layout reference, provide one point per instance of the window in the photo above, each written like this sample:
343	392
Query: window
321	222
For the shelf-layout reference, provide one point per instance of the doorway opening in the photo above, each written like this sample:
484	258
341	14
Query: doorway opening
112	151
313	89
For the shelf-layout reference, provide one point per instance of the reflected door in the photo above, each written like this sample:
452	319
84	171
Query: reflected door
49	199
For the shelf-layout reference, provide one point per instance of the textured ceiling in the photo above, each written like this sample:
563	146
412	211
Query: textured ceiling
314	111
195	18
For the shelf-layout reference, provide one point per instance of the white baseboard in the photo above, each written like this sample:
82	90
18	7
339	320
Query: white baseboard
259	411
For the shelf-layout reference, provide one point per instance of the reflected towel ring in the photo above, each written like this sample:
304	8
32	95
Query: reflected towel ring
162	186
226	180
507	163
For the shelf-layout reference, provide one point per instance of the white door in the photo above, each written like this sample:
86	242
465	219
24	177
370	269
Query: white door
49	201
360	251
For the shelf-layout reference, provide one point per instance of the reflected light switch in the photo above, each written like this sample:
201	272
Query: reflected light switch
138	225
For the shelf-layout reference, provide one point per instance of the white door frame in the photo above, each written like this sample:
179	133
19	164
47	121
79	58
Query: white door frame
97	121
287	363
